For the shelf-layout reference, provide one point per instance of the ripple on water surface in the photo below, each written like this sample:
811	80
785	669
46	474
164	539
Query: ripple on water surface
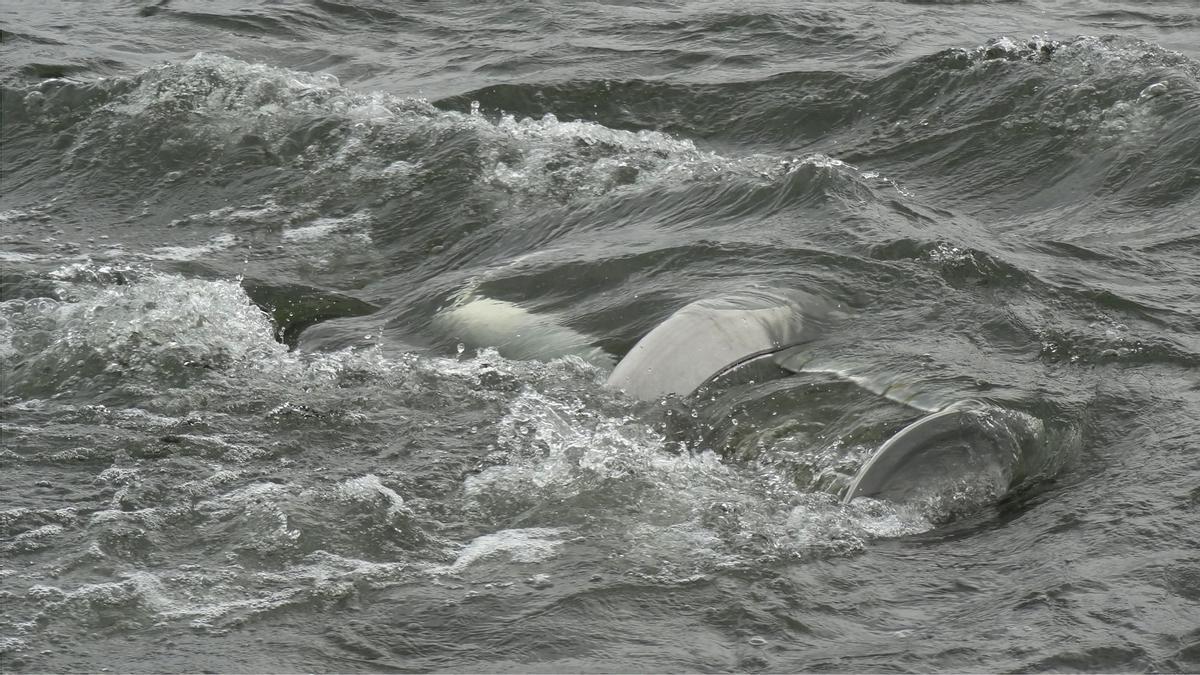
231	294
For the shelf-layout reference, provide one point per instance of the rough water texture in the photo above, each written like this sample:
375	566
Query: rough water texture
242	432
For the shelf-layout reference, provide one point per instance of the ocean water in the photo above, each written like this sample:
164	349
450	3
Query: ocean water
307	307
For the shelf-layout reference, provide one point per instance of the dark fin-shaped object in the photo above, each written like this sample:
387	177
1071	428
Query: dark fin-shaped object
293	307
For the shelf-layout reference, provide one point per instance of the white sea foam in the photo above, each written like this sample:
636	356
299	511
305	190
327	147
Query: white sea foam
559	460
353	227
220	242
531	545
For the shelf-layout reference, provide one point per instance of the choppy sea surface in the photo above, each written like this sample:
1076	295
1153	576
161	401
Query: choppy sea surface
239	432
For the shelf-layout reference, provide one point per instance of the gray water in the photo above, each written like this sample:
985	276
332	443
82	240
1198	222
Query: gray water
240	434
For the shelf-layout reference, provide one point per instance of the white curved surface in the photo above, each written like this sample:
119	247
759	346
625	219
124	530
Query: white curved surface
705	337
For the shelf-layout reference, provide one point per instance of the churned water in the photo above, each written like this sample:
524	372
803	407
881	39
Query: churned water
307	307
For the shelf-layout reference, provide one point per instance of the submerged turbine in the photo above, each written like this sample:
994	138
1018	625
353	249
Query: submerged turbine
755	334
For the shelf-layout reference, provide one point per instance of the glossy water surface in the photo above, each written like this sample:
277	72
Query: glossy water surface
246	426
